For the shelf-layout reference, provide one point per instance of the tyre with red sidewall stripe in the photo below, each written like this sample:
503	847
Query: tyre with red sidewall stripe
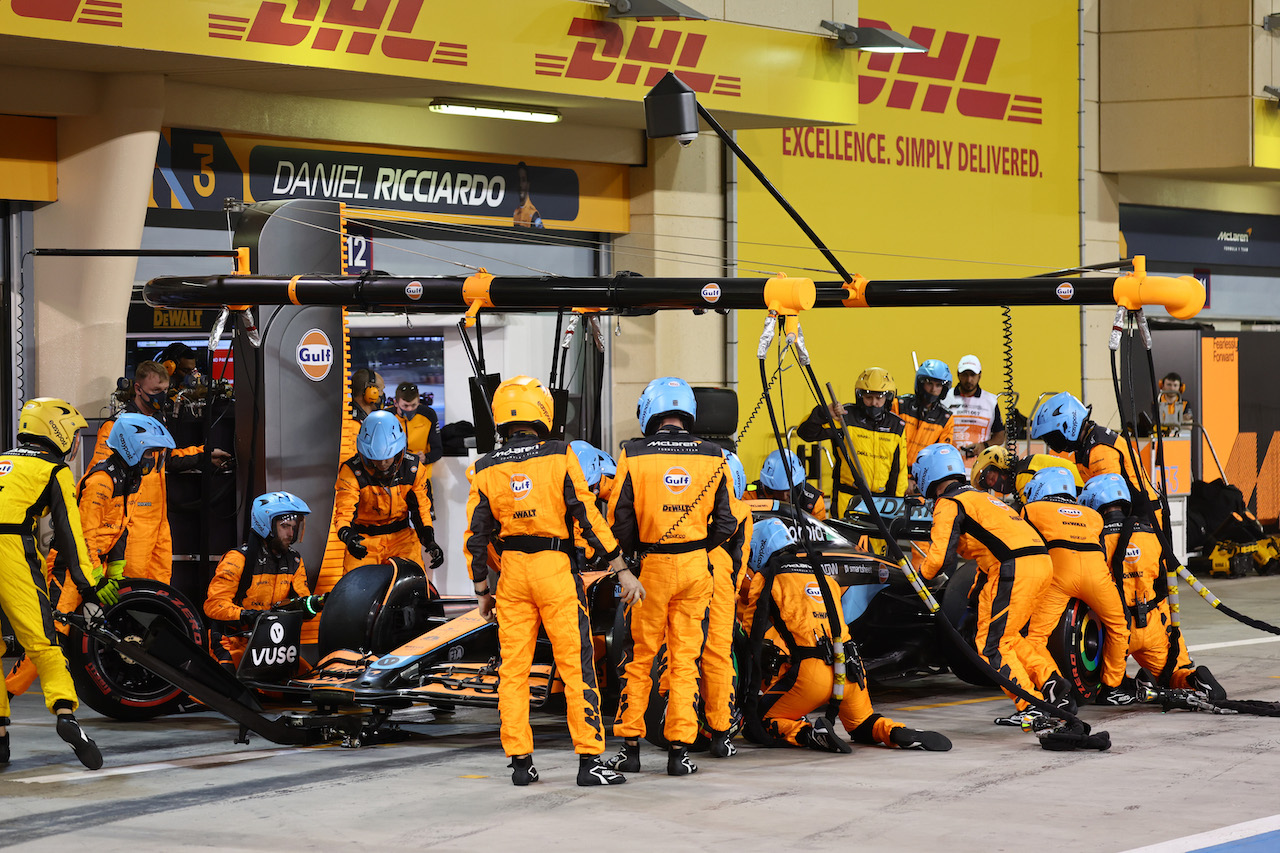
115	686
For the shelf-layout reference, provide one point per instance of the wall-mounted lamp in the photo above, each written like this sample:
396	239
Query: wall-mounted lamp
872	39
653	9
480	109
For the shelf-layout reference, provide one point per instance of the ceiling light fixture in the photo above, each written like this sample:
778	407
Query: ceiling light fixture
872	39
479	109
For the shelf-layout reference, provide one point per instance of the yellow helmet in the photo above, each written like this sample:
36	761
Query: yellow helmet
875	379
996	456
52	419
1029	467
523	400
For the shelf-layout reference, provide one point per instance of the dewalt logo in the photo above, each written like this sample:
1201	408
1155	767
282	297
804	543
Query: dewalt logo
104	13
604	51
952	76
354	26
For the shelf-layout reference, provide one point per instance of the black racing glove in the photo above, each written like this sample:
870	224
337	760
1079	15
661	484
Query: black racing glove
436	553
353	541
250	617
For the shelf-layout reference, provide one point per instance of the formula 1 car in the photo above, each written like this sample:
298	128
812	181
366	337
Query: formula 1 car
387	641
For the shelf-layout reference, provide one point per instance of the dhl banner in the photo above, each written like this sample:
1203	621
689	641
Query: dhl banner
963	164
197	170
534	45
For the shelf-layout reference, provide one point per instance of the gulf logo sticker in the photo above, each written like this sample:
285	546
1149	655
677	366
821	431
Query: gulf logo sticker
676	480
521	486
315	355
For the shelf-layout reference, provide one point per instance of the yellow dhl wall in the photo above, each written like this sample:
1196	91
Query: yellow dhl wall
963	165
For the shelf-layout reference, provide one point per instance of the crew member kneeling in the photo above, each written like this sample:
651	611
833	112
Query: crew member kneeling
262	573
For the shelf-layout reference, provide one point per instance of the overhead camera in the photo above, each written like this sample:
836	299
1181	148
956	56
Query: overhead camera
686	139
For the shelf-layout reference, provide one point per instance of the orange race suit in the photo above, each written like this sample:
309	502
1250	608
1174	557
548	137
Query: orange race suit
1102	451
150	547
35	482
880	445
1073	534
716	667
1146	597
527	500
270	579
926	424
800	631
670	506
394	519
106	497
1013	571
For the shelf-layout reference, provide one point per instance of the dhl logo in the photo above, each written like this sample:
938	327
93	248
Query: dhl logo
604	52
104	13
365	23
943	62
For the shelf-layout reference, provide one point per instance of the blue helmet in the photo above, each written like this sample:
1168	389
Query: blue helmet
664	396
933	368
1050	482
594	461
1105	489
774	474
738	472
1059	420
267	508
768	537
381	437
935	463
134	434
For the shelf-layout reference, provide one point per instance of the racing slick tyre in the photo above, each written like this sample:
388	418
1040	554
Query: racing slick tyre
112	684
1076	645
955	609
380	607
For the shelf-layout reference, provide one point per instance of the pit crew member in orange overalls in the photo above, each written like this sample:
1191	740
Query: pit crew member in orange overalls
150	543
529	497
1013	566
35	481
1063	423
1073	534
927	419
1133	552
800	631
776	483
716	666
381	503
670	507
263	572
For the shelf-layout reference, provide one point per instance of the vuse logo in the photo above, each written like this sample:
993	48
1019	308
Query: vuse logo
315	355
676	480
521	485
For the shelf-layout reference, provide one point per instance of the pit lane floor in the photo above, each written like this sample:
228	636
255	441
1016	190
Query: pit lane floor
181	783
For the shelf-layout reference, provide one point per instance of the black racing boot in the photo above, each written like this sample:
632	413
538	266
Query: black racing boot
591	772
1202	679
722	745
678	761
627	760
4	741
85	749
1113	696
522	770
906	738
1025	719
820	736
1057	692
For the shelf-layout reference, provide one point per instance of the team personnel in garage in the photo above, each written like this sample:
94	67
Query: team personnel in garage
35	481
529	497
1013	565
380	504
263	572
150	544
670	506
776	483
927	420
